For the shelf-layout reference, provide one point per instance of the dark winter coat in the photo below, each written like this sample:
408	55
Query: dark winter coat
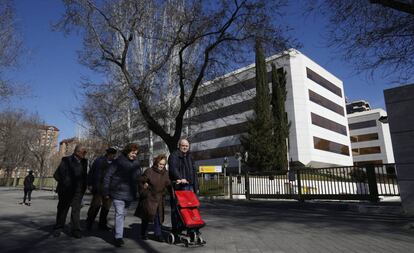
97	173
121	180
71	176
181	166
28	182
152	199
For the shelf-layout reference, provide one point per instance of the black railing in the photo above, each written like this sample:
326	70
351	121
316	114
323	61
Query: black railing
353	183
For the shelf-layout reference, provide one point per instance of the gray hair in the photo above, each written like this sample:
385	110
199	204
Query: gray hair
78	147
183	139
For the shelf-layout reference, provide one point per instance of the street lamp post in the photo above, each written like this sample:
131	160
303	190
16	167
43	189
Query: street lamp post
225	164
239	157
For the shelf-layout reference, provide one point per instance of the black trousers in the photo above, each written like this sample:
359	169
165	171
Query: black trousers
98	202
28	194
67	201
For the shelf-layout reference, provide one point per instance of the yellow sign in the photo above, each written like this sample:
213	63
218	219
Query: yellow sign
210	169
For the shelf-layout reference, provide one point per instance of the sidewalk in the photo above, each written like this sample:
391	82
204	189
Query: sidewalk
232	226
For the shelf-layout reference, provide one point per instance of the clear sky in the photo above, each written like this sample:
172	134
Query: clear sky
51	69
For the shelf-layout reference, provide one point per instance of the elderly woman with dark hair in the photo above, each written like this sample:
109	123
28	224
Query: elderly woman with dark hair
120	184
152	186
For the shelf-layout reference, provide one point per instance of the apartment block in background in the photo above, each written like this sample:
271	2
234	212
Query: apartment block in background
370	135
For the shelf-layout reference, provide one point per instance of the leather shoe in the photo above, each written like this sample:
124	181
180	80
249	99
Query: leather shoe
119	242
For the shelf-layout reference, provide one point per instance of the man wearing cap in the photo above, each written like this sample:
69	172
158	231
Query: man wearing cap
95	185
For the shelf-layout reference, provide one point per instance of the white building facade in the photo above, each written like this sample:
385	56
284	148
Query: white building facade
315	105
370	137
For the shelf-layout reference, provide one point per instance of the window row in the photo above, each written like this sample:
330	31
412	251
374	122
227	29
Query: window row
328	124
323	82
328	104
364	137
366	151
363	124
330	146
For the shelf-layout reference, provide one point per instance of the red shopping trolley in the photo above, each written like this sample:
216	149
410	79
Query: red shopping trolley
189	214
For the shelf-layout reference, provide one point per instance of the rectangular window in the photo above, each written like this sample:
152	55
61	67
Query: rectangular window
323	82
364	137
216	152
363	124
223	112
366	151
373	162
220	132
328	124
328	104
330	146
229	90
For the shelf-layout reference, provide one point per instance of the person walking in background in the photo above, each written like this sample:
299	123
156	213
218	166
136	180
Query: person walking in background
28	187
183	172
120	184
152	187
71	176
95	184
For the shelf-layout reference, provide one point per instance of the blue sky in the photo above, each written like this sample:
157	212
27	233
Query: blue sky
51	69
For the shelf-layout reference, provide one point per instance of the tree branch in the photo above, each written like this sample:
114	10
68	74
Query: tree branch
396	5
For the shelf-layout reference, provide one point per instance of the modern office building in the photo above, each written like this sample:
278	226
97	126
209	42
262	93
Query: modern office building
315	107
370	135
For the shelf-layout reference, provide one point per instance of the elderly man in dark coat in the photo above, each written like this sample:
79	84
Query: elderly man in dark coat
71	177
183	172
152	186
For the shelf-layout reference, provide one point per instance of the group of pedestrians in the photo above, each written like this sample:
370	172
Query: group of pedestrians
118	181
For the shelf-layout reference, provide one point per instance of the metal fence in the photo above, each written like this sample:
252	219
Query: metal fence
45	183
341	183
213	184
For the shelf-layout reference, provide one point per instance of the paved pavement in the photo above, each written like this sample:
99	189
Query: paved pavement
232	226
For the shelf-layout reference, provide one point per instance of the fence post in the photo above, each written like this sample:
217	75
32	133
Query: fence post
247	185
230	186
299	184
372	183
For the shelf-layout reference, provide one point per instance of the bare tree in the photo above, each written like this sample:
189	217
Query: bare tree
102	110
374	35
16	133
40	143
200	39
10	49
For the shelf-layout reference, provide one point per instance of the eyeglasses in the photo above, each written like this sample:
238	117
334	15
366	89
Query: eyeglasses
161	164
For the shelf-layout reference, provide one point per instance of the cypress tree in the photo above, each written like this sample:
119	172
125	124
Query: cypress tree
258	141
280	121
